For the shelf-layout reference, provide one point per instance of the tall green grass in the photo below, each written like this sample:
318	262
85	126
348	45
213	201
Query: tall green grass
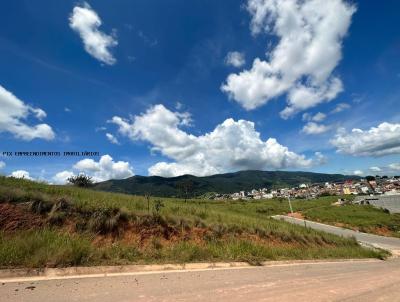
233	226
43	248
364	218
52	248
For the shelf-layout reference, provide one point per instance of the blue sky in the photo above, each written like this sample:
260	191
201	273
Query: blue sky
157	78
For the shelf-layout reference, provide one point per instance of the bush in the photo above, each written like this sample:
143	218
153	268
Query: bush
40	206
81	180
158	205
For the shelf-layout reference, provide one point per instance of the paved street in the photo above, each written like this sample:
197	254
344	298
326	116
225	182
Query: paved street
366	280
388	243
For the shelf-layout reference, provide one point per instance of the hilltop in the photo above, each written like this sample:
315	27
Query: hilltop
219	183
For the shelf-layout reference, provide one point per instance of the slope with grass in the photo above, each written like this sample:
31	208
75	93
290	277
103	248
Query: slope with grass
366	219
43	225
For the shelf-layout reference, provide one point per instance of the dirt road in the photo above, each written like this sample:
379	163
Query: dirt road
388	243
369	280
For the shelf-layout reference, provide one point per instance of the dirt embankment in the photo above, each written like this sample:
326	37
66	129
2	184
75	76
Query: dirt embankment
17	217
141	230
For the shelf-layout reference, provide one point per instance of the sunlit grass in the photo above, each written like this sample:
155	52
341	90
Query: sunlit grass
97	213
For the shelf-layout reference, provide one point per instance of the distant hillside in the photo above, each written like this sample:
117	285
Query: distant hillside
220	183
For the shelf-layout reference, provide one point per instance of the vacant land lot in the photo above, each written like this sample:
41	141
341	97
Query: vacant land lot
361	218
43	225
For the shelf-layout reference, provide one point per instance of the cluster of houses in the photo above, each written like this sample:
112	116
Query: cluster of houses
367	186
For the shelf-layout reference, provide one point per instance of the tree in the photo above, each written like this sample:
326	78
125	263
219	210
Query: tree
370	178
81	180
147	196
186	188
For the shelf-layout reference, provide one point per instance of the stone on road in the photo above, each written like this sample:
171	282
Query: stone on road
387	243
363	280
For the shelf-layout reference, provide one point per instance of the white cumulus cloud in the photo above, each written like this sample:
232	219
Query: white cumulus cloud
377	141
319	117
358	172
112	139
375	169
314	128
308	117
13	115
231	146
235	59
2	164
62	177
106	168
86	22
341	107
301	65
21	174
394	166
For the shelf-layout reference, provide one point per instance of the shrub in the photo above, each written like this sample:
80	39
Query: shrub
158	205
81	180
40	206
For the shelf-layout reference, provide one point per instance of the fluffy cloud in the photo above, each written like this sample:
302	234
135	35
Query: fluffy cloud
310	35
232	145
320	159
85	21
112	139
391	169
235	59
2	164
341	107
21	174
314	128
394	166
62	177
319	117
106	168
358	172
377	141
13	115
375	169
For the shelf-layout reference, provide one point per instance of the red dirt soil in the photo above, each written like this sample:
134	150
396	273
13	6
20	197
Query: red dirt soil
296	215
15	217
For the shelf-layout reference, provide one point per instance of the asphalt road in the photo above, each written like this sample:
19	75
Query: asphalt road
369	280
387	243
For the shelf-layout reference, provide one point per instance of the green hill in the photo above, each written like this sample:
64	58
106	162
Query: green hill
220	183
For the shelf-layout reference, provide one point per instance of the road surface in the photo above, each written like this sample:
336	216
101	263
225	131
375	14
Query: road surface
388	243
366	280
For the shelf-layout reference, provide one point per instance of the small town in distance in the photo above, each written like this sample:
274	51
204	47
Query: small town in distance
368	186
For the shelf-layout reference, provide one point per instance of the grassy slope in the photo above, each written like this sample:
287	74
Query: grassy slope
362	218
228	231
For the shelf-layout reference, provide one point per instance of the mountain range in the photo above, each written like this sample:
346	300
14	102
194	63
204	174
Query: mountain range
219	183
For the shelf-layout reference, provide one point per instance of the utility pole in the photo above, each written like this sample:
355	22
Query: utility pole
290	204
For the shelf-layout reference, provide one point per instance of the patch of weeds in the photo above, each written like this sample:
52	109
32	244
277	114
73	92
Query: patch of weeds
107	221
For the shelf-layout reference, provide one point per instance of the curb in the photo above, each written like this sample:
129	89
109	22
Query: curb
22	274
